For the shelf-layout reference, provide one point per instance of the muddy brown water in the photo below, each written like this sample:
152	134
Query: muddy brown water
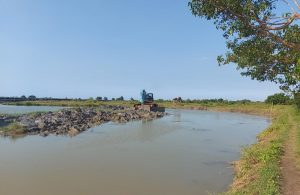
186	153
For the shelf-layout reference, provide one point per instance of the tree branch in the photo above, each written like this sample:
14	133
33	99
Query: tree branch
262	25
265	29
283	25
297	4
292	8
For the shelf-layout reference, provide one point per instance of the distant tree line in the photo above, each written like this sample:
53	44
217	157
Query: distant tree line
121	98
278	98
30	98
284	99
206	101
34	98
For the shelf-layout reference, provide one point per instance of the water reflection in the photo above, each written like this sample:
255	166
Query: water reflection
176	117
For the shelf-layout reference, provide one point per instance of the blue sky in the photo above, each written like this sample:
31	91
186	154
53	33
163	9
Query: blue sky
76	48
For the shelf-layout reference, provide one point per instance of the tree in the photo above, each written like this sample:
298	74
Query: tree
297	99
31	97
188	100
244	101
177	99
99	98
278	98
23	97
105	98
263	42
120	98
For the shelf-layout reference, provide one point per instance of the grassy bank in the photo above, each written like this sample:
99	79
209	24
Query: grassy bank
13	129
297	124
256	108
258	170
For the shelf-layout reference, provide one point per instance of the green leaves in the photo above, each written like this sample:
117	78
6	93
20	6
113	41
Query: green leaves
298	66
260	53
278	98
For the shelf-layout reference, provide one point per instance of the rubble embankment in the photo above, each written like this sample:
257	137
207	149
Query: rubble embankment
71	121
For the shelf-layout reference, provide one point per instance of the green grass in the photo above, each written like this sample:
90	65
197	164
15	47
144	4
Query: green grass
256	108
258	170
12	129
297	119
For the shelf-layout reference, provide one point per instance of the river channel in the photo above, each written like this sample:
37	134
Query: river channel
185	153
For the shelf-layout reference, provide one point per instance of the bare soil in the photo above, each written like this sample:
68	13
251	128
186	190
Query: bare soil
291	175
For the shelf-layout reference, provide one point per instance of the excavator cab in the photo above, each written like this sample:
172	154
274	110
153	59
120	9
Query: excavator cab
149	98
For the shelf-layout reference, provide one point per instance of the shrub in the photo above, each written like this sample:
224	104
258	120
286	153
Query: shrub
120	98
278	98
32	97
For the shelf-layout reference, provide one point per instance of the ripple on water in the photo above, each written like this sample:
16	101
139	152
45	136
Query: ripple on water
201	129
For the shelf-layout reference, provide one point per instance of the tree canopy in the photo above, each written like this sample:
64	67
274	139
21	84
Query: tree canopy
278	98
262	36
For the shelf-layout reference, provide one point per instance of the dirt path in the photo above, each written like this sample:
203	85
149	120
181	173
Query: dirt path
291	176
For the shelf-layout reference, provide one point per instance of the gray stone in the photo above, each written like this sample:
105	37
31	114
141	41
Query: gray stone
73	121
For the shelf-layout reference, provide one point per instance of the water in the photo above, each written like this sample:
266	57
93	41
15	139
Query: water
8	109
187	153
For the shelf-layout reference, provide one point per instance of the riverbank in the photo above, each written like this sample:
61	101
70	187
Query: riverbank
272	165
69	121
262	167
250	107
259	169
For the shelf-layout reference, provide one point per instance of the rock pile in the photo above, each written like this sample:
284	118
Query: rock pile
73	121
